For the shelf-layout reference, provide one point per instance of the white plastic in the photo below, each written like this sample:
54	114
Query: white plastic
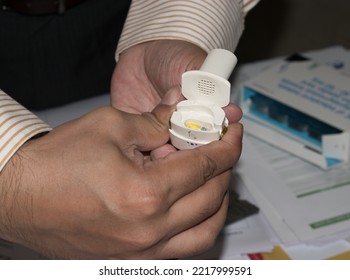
219	62
200	119
336	146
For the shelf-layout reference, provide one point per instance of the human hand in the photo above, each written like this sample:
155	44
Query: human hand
86	190
145	72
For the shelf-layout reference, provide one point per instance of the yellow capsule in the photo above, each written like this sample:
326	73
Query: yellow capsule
198	125
193	124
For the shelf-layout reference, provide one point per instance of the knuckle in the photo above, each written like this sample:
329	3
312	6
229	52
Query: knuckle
142	203
144	238
150	204
138	237
159	125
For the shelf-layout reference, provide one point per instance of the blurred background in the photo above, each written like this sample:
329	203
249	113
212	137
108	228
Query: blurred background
282	27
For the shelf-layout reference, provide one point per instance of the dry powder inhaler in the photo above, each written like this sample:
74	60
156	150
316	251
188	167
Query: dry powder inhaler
200	119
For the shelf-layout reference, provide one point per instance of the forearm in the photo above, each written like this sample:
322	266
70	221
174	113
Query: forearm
206	24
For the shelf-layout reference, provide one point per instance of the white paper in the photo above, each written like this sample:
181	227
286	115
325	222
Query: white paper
312	202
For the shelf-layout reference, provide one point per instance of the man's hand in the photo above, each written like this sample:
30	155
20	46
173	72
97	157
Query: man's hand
145	72
87	190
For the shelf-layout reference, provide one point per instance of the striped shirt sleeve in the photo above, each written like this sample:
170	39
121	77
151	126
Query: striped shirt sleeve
17	125
205	23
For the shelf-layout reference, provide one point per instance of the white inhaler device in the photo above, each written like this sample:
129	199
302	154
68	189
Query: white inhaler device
200	119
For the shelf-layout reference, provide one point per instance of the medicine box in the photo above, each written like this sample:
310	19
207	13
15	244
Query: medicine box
303	107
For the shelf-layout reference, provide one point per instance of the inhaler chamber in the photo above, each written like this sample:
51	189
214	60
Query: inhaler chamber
200	119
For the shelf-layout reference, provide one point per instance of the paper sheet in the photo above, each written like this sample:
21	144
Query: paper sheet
312	203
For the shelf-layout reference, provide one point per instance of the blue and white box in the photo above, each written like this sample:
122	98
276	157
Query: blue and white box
303	107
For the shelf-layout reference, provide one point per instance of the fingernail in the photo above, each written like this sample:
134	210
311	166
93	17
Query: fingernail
171	97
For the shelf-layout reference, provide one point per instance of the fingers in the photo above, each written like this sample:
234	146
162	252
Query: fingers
150	130
198	238
184	171
198	217
233	113
197	206
162	152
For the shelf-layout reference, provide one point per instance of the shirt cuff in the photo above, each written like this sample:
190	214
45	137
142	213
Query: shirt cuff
17	125
207	24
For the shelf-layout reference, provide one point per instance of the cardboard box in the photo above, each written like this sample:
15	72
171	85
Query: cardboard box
303	107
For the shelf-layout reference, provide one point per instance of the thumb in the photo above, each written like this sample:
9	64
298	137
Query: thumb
164	110
154	126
